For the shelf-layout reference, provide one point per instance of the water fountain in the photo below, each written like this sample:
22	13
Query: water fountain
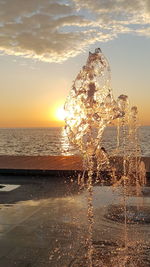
90	107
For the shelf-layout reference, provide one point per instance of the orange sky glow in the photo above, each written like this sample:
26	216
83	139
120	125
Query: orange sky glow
39	63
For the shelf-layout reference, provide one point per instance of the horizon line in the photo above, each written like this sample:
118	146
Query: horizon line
31	127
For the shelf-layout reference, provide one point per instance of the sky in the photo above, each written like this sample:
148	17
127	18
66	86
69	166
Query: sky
45	43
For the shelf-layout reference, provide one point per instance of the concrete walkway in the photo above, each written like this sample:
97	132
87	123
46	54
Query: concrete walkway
43	223
37	228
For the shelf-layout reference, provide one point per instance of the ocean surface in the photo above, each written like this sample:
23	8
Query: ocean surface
53	141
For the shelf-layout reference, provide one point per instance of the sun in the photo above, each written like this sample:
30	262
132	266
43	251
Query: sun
60	113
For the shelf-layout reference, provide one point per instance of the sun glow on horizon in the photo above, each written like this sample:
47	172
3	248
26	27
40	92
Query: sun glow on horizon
60	113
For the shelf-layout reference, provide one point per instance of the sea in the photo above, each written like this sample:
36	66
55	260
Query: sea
54	141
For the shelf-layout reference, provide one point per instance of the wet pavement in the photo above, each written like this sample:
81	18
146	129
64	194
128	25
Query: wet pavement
36	225
43	223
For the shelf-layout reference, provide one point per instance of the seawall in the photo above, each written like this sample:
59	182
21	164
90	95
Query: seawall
47	165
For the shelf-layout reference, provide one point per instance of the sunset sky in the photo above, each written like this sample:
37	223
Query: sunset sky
44	44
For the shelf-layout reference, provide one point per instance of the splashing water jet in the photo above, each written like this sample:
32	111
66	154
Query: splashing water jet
89	108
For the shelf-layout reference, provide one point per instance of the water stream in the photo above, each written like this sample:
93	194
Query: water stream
90	107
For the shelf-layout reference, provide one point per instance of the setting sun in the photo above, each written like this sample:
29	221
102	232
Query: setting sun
60	113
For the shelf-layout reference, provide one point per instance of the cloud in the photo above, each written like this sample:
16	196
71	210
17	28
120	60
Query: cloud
53	31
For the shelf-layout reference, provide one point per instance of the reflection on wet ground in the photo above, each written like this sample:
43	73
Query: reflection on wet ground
44	223
8	187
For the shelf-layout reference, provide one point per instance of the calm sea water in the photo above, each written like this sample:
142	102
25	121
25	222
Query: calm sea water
53	141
